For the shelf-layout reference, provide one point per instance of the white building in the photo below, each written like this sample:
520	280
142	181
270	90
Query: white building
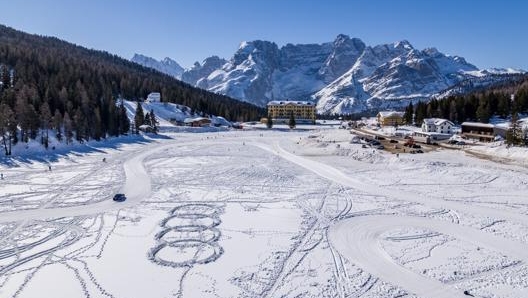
437	125
154	97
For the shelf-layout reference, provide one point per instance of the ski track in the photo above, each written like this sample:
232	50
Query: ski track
352	236
357	238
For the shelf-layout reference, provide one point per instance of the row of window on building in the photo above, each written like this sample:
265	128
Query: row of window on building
282	110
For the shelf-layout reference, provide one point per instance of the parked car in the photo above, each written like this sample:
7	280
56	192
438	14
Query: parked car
461	143
416	146
380	147
119	197
393	141
419	151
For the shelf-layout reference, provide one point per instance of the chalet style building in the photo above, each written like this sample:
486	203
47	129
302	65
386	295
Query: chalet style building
483	132
197	122
437	125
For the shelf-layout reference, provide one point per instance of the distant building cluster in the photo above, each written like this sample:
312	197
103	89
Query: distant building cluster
303	111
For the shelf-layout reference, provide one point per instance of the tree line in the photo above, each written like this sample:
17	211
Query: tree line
49	84
505	102
472	107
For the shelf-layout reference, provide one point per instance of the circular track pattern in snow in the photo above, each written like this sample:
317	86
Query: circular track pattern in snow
188	237
186	253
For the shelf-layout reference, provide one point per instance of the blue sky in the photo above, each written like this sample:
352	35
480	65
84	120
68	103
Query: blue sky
487	33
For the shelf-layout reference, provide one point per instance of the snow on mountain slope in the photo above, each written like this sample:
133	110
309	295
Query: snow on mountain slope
343	76
200	71
390	75
495	71
167	65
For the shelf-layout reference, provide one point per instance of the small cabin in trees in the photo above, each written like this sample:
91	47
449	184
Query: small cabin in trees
154	97
197	122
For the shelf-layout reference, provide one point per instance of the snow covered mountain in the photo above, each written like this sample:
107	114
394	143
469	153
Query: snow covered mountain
199	71
167	65
343	76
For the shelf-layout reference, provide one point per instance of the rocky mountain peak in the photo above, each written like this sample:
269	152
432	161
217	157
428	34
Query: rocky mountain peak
342	76
167	65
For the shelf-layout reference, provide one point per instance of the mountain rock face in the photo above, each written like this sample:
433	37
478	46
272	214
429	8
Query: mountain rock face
167	65
343	76
200	71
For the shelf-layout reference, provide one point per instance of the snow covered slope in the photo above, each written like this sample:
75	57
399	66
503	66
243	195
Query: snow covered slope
167	65
168	113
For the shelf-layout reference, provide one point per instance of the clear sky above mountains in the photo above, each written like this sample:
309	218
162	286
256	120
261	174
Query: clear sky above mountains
487	33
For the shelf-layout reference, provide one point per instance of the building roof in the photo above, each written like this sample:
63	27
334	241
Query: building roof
478	124
385	114
189	120
436	121
290	102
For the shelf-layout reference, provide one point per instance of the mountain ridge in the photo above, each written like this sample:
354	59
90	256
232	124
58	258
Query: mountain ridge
343	76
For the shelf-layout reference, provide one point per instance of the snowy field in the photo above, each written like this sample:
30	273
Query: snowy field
259	213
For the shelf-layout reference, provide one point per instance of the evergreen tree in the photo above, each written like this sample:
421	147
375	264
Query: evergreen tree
97	125
453	112
6	118
269	122
113	126
291	122
139	117
154	124
147	120
124	123
513	136
420	114
503	107
57	124
521	97
79	125
68	128
482	113
5	80
21	114
460	110
33	121
408	115
45	122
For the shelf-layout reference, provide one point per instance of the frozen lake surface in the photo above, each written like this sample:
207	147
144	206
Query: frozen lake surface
262	213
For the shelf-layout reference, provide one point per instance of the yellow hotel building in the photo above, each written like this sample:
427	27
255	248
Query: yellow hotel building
304	111
390	118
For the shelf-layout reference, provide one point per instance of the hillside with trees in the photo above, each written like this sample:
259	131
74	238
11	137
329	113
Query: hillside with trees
49	84
478	106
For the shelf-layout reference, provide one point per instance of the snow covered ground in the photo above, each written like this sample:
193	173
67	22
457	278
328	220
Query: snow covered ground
260	213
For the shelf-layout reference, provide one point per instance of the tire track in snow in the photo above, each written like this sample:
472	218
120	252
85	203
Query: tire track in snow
357	238
376	260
